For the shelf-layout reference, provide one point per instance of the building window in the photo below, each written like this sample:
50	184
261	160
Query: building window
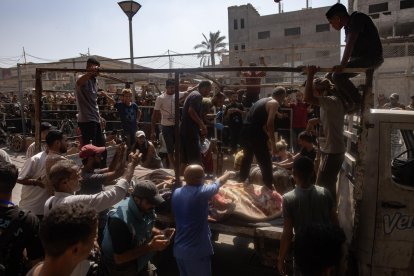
406	4
381	7
242	23
263	35
236	47
322	28
292	31
320	54
243	47
235	24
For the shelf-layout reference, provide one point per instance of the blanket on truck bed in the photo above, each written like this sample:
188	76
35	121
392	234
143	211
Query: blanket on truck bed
249	203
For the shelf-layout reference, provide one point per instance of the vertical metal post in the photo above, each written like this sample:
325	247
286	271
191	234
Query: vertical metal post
21	99
131	53
131	44
292	63
177	129
38	97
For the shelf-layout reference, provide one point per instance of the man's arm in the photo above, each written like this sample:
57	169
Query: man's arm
158	243
194	116
309	97
139	113
108	198
285	243
272	107
349	47
27	172
117	166
92	73
155	118
111	101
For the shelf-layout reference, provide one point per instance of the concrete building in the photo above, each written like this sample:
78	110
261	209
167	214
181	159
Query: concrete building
395	22
286	39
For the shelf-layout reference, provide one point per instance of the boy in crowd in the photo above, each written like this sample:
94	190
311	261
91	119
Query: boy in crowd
305	205
363	49
68	234
129	113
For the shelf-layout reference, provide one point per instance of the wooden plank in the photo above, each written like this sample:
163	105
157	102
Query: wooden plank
240	231
270	232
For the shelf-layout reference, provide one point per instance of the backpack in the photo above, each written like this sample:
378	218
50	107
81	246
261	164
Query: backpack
7	241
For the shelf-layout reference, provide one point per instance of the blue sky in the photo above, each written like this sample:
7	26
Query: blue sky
57	29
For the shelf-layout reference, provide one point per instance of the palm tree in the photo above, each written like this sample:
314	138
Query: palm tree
212	46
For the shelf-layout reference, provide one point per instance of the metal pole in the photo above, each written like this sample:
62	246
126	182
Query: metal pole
131	44
19	76
38	97
177	130
131	53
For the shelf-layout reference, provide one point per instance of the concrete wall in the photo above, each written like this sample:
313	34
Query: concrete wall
309	47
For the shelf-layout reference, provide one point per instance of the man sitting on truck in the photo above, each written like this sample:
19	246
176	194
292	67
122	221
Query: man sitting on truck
305	205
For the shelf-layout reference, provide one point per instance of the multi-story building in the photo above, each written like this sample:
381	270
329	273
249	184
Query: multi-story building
284	39
395	23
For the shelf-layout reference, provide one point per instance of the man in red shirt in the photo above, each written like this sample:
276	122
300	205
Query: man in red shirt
253	80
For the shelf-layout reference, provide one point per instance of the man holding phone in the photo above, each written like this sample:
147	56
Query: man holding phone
130	238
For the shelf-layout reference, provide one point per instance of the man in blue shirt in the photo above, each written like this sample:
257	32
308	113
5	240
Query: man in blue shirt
192	245
129	113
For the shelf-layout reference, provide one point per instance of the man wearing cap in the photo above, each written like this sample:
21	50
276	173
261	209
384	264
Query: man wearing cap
130	239
94	179
65	178
44	130
32	176
150	158
394	102
86	102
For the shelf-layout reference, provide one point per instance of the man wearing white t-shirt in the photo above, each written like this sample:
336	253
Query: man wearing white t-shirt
164	108
33	175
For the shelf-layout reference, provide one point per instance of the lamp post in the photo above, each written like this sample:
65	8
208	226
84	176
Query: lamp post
130	8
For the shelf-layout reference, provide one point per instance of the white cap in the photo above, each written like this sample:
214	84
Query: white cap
139	133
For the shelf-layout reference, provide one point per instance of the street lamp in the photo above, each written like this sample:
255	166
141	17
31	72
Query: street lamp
130	8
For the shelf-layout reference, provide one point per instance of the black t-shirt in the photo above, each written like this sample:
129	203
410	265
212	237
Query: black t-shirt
235	118
25	226
310	154
188	126
368	43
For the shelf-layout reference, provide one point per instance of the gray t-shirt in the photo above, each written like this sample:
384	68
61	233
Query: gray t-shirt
86	101
307	206
332	119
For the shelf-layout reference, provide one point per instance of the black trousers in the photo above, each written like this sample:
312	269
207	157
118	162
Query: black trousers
254	143
91	133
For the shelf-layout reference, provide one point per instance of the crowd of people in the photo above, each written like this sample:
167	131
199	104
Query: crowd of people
66	215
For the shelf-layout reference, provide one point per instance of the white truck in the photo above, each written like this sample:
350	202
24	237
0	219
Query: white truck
376	192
